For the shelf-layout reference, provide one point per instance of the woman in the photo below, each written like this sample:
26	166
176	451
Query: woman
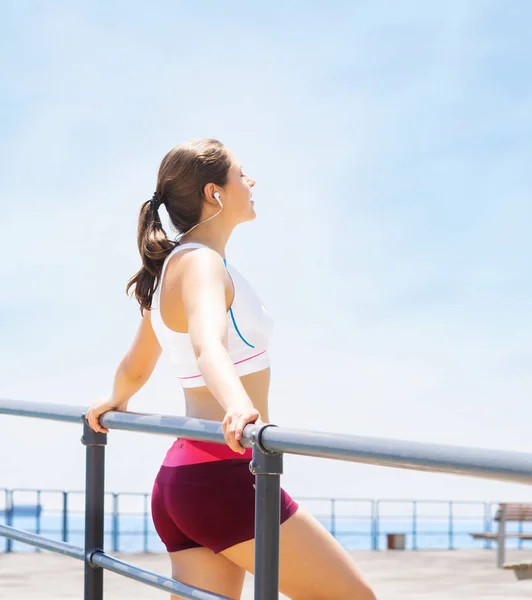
205	315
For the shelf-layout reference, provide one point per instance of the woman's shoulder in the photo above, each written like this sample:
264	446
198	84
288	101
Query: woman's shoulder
192	255
196	267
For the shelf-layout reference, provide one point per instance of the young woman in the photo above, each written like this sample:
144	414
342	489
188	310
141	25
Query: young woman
203	313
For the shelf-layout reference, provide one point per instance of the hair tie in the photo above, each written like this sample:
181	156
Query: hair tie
155	201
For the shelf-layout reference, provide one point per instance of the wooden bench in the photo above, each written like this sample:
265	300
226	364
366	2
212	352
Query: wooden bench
522	570
506	513
494	536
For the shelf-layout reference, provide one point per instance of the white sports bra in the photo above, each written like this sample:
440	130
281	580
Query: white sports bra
249	330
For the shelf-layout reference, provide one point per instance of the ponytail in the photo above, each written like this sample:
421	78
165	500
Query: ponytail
183	175
154	246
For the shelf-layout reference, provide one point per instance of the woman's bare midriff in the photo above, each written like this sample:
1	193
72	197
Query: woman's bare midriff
201	404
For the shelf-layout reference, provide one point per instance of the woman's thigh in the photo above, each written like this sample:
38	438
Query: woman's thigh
313	565
201	568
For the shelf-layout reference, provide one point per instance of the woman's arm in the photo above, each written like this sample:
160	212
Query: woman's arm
133	371
202	285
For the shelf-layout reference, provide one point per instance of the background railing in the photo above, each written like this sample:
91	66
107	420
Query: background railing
358	523
268	443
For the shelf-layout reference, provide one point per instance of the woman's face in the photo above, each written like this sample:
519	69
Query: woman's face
236	195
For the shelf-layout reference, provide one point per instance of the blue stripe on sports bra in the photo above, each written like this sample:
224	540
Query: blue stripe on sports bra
234	322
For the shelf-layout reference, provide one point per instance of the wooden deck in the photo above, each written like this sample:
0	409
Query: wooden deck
424	575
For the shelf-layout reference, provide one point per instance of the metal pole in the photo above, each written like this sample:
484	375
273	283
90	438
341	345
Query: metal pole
65	516
501	536
487	523
375	525
458	460
333	517
414	525
9	517
94	508
267	468
115	522
145	522
451	532
104	561
38	517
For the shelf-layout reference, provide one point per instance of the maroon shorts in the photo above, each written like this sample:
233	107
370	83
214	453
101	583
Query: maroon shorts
204	497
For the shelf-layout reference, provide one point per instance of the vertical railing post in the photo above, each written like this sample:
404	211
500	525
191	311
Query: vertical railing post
267	468
486	527
488	517
375	525
38	517
9	518
414	525
65	517
146	545
94	508
501	536
451	528
333	517
115	523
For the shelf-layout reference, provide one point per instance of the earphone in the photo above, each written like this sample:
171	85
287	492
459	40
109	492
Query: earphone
217	196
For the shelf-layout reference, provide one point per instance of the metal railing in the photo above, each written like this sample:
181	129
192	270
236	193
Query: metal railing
357	523
268	443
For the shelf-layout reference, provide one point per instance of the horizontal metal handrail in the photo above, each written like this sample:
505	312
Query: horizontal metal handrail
39	541
502	465
42	410
110	563
269	443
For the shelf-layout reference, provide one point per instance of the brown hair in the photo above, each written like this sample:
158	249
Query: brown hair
183	175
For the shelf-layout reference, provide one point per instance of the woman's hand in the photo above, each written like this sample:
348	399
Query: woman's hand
233	425
100	406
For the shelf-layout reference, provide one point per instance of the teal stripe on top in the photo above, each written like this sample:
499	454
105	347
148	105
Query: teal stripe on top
234	321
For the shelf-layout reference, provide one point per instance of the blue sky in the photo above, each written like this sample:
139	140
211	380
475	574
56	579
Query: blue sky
390	143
